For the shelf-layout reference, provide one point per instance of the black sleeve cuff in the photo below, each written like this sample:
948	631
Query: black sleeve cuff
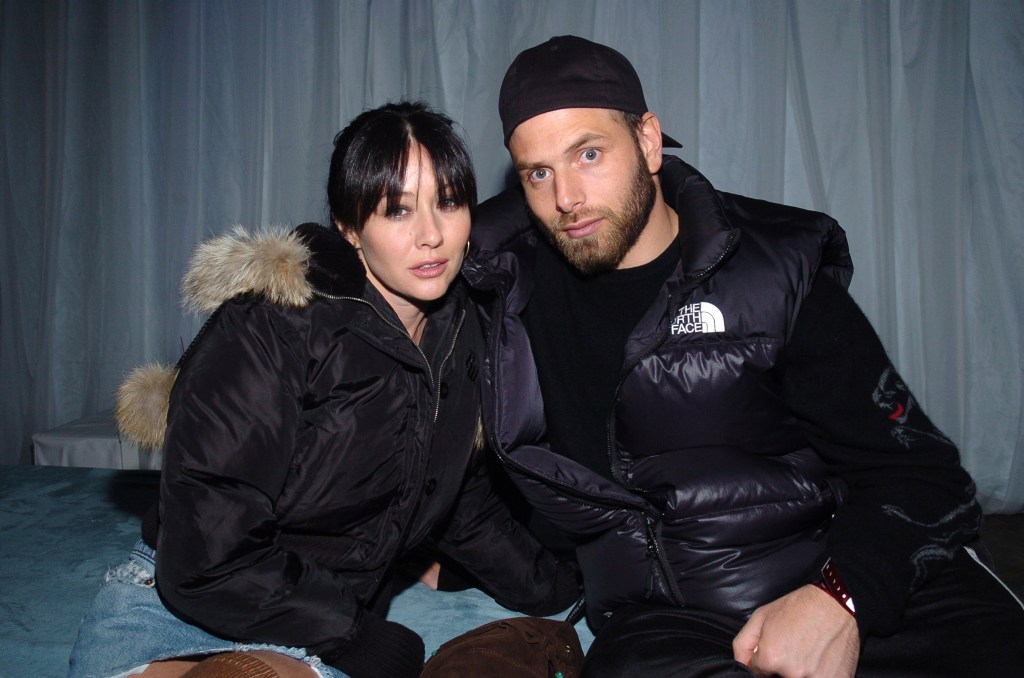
380	648
564	591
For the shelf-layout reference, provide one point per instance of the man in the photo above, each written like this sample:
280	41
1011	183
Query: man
681	387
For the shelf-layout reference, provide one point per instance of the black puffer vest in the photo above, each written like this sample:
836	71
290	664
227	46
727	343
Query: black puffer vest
719	501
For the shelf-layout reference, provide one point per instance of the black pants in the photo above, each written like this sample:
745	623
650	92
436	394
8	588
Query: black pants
964	623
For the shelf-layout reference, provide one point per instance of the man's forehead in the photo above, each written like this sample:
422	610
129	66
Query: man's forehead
563	129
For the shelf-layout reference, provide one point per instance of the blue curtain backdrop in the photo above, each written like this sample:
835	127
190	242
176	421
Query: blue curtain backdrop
131	129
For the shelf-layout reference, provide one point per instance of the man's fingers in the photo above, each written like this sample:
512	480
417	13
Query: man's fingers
744	645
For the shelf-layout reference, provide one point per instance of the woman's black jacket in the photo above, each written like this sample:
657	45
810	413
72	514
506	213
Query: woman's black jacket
310	443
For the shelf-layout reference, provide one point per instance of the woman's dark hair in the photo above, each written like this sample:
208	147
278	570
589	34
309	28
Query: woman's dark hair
370	156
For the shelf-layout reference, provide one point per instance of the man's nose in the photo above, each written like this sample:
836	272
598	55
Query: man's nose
569	195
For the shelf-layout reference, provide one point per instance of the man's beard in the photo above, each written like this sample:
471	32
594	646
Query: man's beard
604	251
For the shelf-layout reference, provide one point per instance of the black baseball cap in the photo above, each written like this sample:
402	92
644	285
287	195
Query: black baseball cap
569	72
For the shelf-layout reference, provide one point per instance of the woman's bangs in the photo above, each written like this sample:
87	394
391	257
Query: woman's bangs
452	168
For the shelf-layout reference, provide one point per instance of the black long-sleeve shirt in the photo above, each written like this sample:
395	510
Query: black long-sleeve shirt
910	502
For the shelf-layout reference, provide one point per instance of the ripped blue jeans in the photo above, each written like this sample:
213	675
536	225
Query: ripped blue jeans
127	628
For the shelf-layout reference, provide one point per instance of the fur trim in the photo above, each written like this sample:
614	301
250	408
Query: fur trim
480	438
271	262
141	407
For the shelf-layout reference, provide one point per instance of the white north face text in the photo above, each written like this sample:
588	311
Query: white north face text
699	318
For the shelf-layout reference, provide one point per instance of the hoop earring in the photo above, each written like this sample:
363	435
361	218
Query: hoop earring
466	253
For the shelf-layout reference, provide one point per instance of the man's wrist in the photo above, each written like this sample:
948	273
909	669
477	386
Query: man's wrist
832	583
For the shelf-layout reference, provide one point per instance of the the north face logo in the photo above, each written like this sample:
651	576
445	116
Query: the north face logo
699	318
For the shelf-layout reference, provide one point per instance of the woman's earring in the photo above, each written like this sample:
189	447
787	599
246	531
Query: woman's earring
467	250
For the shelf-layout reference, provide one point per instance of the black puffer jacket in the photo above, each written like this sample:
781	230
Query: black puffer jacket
755	400
310	443
718	500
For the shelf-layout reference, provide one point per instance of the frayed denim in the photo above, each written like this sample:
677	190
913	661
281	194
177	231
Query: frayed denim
127	628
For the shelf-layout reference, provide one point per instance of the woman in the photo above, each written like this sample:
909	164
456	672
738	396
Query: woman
321	425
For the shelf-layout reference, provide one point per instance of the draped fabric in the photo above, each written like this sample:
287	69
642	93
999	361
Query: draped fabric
132	129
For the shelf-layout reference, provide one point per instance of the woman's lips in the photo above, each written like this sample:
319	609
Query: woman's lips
429	269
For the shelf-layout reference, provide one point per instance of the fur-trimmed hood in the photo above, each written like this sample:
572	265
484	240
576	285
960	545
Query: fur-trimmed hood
284	267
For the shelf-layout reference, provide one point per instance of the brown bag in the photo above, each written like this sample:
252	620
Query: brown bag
520	647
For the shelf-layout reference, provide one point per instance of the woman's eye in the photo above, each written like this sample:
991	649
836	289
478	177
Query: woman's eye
448	204
398	212
590	155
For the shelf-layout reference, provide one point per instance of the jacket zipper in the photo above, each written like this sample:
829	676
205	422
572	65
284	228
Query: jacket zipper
683	294
434	388
609	424
430	374
581	500
440	366
653	561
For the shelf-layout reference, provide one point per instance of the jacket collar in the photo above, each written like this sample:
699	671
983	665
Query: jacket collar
706	236
334	265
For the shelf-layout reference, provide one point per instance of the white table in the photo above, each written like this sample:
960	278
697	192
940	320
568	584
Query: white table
91	441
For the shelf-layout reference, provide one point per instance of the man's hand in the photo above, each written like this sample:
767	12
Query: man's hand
804	634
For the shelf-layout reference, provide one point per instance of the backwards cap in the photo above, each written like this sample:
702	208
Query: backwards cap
569	72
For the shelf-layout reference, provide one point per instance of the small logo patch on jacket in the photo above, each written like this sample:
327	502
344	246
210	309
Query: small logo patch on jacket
700	318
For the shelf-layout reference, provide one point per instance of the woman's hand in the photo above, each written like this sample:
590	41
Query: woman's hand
431	575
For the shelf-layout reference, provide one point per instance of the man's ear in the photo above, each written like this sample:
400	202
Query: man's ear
649	136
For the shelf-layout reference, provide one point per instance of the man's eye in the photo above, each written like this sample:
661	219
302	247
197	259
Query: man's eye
590	155
538	175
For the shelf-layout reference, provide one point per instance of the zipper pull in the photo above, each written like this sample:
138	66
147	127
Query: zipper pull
651	556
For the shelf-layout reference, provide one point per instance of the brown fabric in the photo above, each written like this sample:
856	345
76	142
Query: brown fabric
232	665
521	647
